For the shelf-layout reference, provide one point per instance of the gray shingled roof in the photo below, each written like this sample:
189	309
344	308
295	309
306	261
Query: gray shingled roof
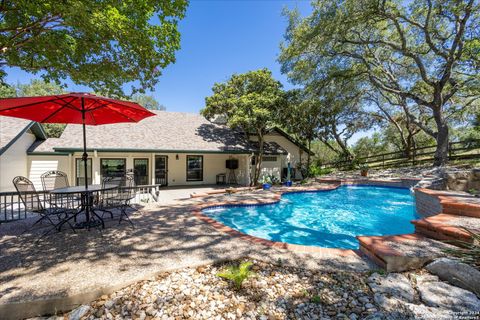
167	131
10	128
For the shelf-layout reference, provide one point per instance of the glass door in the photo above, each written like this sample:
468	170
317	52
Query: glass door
140	171
161	170
80	171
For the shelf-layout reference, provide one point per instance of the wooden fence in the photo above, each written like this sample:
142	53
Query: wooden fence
460	150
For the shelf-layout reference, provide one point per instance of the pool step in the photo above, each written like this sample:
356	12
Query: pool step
471	209
448	227
401	252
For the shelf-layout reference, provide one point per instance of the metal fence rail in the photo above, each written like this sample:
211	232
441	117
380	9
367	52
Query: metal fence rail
459	150
13	209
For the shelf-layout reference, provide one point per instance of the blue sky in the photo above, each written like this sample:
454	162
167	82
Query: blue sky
218	38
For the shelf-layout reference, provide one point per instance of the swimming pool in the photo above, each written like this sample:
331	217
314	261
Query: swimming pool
329	219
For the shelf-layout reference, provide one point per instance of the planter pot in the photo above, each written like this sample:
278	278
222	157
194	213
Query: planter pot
364	173
288	183
266	186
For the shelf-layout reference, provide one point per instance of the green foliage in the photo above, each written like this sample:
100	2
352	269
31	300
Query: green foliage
316	171
467	252
237	274
367	146
36	87
316	299
101	44
250	102
324	154
54	130
147	101
412	52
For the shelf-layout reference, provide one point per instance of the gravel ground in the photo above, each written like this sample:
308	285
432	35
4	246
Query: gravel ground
274	292
278	292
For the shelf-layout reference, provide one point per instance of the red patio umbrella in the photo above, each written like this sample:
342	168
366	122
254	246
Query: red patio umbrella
75	108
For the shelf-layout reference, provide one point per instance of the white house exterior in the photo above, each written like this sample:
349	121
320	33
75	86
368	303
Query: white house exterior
171	148
16	137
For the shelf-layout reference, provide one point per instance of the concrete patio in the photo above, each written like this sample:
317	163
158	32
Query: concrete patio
66	269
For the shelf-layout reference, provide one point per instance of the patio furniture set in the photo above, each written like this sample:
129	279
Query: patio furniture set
78	207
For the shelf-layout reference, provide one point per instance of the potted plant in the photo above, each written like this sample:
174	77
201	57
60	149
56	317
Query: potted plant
266	183
364	170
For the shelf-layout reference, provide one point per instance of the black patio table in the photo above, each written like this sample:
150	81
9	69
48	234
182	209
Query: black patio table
86	204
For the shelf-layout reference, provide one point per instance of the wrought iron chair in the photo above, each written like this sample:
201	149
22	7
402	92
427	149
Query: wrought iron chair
55	179
121	200
102	204
31	200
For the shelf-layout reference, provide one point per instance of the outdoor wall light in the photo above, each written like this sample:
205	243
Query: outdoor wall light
176	157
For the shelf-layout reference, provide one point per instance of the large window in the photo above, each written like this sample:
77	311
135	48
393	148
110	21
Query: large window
194	168
80	171
140	171
112	167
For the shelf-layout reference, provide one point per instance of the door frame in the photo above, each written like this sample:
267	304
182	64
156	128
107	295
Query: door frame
166	168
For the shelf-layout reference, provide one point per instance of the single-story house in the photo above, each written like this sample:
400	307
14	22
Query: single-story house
171	148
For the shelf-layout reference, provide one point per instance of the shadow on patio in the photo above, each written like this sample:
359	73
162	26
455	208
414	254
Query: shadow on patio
164	238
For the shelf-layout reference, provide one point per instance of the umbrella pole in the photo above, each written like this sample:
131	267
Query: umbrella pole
85	158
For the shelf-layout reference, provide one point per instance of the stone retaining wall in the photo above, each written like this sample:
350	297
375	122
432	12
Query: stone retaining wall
427	204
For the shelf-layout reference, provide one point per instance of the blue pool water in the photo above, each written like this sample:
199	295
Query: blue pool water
329	219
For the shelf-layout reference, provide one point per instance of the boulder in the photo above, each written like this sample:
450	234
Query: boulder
446	296
393	285
79	312
426	278
457	273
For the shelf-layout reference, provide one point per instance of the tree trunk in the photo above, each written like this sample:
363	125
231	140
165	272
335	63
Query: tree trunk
441	153
308	157
258	163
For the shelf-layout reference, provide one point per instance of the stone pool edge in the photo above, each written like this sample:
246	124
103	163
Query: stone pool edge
277	195
329	184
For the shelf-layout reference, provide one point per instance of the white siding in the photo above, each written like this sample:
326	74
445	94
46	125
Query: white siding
270	168
13	162
38	164
295	153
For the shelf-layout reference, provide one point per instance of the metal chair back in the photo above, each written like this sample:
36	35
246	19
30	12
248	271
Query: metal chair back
54	179
28	194
127	190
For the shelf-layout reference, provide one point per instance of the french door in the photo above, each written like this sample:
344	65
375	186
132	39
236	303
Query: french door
161	170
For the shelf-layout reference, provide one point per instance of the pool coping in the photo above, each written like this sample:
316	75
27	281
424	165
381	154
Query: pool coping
277	195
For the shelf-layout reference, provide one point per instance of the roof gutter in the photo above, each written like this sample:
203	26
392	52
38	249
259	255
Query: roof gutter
62	149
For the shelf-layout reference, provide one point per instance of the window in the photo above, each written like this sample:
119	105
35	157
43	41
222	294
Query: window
140	171
79	171
112	167
194	168
269	159
264	159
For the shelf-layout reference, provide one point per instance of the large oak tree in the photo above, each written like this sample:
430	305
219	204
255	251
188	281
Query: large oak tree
102	44
425	52
250	102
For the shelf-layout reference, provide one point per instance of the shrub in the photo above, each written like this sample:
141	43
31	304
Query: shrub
237	274
316	171
468	253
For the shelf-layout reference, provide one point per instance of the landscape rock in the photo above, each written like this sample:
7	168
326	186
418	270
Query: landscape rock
457	273
394	284
446	296
79	312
